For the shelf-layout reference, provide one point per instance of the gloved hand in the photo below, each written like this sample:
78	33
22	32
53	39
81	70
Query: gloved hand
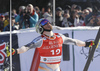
14	51
89	44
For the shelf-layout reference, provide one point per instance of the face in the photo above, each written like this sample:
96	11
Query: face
59	13
12	21
43	10
7	17
66	15
49	9
48	26
30	9
2	18
20	10
14	11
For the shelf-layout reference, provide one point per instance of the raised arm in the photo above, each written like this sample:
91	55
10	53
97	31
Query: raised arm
37	42
67	40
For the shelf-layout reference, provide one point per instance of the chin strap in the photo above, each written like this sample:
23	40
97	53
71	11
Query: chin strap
45	30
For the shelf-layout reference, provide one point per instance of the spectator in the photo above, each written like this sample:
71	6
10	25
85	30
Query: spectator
1	23
14	12
95	21
6	21
21	10
87	18
59	17
72	17
78	19
48	15
91	23
19	18
92	18
85	13
45	15
66	22
28	18
7	28
49	11
37	10
42	12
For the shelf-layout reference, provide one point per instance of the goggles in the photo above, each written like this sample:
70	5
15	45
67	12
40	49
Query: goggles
44	22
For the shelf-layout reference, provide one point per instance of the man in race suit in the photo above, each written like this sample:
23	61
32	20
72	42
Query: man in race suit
48	47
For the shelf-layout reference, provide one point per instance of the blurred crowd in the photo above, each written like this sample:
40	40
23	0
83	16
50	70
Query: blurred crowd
70	16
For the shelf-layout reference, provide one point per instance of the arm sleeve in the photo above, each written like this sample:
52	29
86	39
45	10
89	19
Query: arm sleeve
67	40
37	42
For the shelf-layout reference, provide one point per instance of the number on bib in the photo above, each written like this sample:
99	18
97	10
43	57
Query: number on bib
55	52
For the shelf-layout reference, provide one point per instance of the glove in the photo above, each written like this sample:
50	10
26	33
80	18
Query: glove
14	51
89	44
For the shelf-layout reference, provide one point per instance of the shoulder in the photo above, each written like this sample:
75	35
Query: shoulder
58	34
35	14
62	36
37	39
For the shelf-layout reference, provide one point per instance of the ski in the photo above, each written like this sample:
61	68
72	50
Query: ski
90	57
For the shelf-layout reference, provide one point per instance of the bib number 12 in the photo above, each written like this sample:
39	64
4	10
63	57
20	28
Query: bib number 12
57	51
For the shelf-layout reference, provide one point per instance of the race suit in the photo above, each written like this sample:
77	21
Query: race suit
47	56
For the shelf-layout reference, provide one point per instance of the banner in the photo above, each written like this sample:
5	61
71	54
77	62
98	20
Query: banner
4	61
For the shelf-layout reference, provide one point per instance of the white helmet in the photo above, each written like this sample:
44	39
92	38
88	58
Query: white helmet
40	24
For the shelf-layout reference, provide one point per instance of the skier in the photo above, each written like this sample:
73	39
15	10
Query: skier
49	47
